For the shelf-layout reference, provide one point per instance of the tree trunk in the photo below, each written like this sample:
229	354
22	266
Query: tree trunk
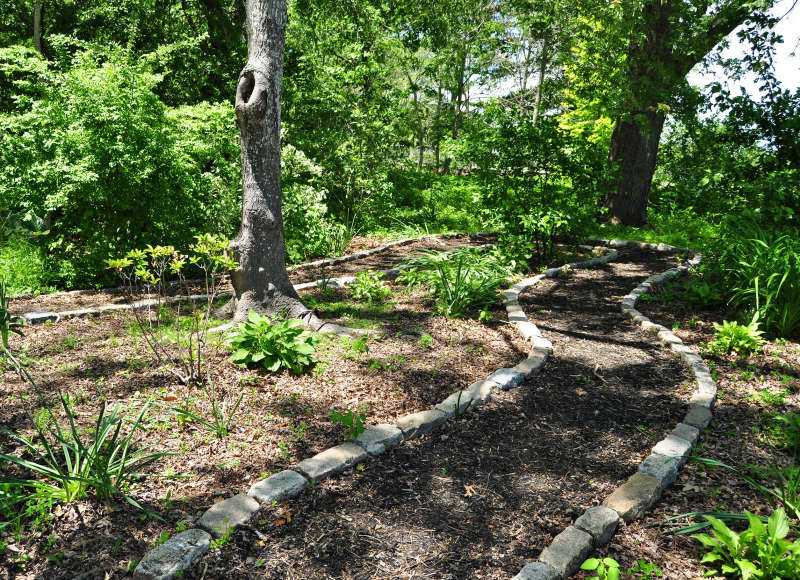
37	25
261	282
542	72
634	146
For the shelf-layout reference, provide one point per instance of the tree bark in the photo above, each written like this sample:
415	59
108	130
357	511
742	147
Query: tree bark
655	69
634	145
261	282
37	25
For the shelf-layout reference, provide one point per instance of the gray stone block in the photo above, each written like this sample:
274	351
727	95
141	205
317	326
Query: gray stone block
698	416
537	571
599	522
380	438
331	461
518	317
480	392
703	399
567	551
40	317
418	423
507	378
528	330
668	337
635	496
281	486
672	446
222	517
552	272
532	365
663	468
177	554
542	344
706	384
686	432
457	403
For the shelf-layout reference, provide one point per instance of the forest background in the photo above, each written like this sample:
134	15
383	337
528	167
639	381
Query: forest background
118	129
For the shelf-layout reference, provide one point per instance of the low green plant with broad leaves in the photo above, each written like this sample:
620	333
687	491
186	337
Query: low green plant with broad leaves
760	552
273	344
739	338
352	420
369	287
606	568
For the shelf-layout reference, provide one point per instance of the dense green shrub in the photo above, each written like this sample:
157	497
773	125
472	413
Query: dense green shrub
760	268
308	229
460	279
539	180
275	344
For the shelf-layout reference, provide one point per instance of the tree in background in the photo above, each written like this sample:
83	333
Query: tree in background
666	40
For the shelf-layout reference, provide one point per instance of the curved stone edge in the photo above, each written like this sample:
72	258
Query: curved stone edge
659	470
36	317
225	516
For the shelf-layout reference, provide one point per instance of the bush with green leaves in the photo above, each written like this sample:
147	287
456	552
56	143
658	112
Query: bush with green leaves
273	344
177	342
369	287
760	552
742	339
309	230
759	266
72	461
460	279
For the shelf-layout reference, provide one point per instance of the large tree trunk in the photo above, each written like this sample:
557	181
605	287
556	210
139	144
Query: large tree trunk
634	146
655	71
37	25
261	282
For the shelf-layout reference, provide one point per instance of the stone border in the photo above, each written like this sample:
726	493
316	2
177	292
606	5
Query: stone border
37	317
659	470
178	553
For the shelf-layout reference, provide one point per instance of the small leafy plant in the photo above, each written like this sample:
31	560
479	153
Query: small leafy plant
607	568
761	551
352	420
369	287
221	412
273	344
740	338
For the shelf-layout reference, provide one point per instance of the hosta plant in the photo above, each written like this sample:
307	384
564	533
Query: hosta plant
369	286
273	344
761	551
740	338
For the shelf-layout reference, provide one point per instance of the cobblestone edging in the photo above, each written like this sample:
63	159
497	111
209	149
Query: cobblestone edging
178	553
659	470
42	317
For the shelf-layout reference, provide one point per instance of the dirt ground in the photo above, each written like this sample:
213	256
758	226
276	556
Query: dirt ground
476	499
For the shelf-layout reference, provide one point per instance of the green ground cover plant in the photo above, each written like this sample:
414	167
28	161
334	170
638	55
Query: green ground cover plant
273	344
761	551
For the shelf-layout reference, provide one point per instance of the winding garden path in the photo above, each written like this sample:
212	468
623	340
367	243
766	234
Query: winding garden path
499	487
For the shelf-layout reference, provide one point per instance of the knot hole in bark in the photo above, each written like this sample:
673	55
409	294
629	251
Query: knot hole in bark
247	83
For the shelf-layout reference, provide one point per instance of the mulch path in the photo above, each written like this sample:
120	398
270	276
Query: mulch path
752	389
475	500
481	498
